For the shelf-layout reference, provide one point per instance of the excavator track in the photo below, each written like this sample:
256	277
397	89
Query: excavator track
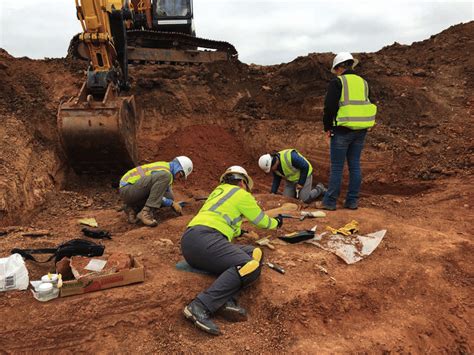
171	41
179	40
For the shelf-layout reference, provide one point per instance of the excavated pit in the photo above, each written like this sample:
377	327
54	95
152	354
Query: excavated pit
411	295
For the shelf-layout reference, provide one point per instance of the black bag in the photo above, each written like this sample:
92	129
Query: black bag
70	248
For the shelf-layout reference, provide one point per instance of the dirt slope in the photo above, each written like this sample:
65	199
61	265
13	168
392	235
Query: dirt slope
412	295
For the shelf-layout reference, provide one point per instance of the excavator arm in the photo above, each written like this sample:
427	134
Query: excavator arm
104	35
97	128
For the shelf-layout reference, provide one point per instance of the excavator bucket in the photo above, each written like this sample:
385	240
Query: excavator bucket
99	136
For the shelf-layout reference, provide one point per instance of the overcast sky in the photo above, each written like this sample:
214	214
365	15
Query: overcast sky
263	32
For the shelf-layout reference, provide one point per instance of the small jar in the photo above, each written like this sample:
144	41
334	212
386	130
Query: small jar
45	289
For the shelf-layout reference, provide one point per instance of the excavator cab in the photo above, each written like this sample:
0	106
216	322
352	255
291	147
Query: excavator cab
174	16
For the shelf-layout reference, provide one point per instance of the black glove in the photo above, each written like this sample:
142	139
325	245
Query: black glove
279	220
96	233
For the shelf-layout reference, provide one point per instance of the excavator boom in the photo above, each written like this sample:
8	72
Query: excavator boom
98	127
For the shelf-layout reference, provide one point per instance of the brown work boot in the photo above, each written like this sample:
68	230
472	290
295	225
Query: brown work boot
131	214
146	216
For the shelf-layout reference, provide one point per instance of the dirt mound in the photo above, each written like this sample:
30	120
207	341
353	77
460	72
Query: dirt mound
411	295
211	148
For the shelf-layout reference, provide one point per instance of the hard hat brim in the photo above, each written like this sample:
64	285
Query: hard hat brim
356	61
249	179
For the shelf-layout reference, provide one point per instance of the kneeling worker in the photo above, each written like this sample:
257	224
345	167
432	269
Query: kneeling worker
206	245
148	187
296	170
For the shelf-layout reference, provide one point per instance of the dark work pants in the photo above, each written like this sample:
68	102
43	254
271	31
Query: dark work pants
207	249
148	191
345	146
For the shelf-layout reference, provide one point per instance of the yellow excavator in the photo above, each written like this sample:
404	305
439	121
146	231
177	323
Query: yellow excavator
97	128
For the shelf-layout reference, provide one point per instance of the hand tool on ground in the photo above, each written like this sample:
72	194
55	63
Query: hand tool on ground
350	228
265	242
275	267
37	233
312	214
186	203
284	215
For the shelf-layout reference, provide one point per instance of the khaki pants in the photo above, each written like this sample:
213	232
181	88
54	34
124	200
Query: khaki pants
148	191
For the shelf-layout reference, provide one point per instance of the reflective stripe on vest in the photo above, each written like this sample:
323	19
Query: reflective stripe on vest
355	109
228	220
291	173
214	207
225	208
135	174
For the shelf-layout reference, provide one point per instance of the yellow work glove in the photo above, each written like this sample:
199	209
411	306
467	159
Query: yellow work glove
350	228
177	207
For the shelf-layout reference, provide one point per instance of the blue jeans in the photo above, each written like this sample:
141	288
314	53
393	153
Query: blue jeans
345	145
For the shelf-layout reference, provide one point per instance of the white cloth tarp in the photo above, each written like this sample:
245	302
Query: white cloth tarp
350	248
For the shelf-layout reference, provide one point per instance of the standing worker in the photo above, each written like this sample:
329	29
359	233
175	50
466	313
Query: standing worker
348	113
296	170
146	188
206	245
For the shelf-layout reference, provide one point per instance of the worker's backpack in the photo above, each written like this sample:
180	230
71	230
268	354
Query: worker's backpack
67	249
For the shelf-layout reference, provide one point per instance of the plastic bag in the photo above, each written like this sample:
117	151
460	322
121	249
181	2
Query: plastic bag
13	273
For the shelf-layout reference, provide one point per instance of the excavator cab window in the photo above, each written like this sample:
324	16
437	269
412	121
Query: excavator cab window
173	8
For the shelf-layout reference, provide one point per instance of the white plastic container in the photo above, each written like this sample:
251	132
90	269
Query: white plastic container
45	291
50	278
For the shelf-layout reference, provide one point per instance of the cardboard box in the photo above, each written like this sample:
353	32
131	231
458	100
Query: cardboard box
102	282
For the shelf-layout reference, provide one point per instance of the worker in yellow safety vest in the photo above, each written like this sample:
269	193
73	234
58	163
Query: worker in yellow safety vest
206	245
348	114
296	170
146	188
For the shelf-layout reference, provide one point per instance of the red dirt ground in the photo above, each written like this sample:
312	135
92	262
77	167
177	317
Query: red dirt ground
413	294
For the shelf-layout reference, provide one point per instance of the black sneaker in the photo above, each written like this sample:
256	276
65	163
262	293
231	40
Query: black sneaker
232	312
197	313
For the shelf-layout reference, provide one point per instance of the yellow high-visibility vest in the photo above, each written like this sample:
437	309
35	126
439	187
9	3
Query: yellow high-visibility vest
291	173
224	209
355	110
135	174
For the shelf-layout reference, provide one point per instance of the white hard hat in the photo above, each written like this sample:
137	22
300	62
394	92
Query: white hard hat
235	169
342	57
265	162
186	164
